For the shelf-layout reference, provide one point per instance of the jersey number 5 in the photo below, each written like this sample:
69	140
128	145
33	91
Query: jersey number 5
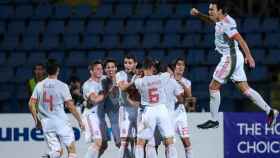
153	95
48	100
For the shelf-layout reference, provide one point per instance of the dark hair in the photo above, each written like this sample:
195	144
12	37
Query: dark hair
110	61
221	4
130	56
52	67
148	63
94	63
179	59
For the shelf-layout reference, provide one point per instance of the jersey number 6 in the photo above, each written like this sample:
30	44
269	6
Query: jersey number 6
153	95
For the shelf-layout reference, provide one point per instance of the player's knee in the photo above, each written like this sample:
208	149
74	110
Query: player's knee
97	144
140	142
186	142
71	148
168	141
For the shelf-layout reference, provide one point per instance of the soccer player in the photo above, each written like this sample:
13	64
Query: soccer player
127	112
153	112
112	105
93	115
231	65
51	95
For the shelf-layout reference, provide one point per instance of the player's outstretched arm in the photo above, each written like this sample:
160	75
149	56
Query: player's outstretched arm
71	107
201	16
243	44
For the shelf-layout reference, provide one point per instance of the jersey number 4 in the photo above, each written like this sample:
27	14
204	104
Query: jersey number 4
153	95
48	99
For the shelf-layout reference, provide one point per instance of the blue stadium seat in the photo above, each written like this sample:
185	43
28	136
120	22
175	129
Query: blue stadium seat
117	55
22	74
208	29
156	54
270	25
208	41
6	74
10	43
57	55
260	73
213	57
139	54
62	11
173	54
272	40
131	41
183	10
153	26
171	41
110	41
43	12
144	10
16	27
95	27
2	59
22	92
134	26
75	27
103	11
30	43
24	12
151	41
251	25
191	40
96	55
6	91
35	27
199	74
76	58
50	42
259	55
2	27
91	41
254	40
55	27
123	10
83	11
83	74
203	7
273	57
36	58
114	27
172	26
72	42
192	26
195	57
201	92
6	11
162	11
16	59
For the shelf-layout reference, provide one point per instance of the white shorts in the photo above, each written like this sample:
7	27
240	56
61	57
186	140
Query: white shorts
180	121
127	121
114	120
230	67
151	117
57	133
95	128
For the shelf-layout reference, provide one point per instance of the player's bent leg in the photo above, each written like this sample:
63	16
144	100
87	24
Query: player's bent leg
139	151
103	147
187	145
94	149
257	99
71	150
170	149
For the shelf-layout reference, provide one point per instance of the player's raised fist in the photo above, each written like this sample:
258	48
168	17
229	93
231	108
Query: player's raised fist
194	12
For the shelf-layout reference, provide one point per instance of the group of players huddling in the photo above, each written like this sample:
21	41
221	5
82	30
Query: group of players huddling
147	105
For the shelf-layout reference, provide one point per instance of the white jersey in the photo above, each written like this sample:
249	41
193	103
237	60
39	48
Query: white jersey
172	89
224	31
122	76
89	87
151	88
51	95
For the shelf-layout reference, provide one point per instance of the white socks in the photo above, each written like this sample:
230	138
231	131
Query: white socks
188	152
215	101
72	155
92	152
170	151
55	154
151	151
139	151
256	98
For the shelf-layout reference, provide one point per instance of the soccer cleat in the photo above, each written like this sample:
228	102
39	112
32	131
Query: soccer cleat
209	124
46	156
271	118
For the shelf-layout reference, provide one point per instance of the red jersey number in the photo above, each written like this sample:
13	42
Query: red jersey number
153	95
48	100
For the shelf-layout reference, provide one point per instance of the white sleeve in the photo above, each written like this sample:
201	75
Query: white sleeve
120	77
187	83
230	29
177	88
165	75
138	83
66	93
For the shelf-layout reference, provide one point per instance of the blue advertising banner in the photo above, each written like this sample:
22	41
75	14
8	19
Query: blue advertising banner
246	135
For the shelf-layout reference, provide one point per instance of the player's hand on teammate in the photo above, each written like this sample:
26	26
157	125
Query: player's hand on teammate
249	60
82	126
194	12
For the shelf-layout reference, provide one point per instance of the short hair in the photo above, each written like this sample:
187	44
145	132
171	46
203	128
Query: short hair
148	63
110	60
94	63
130	56
52	67
221	4
179	59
